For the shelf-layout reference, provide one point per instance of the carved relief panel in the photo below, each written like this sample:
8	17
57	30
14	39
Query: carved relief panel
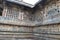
52	13
17	12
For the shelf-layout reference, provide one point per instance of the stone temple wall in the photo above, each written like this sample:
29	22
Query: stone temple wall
20	32
46	32
51	17
11	32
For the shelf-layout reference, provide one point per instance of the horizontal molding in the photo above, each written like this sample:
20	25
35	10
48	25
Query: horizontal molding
6	20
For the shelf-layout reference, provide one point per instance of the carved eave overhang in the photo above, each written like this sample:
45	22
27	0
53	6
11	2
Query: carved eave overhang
22	2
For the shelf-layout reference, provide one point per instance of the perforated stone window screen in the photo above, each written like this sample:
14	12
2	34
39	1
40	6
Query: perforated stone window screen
12	12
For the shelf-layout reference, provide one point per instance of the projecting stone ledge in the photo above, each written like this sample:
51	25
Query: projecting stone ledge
10	21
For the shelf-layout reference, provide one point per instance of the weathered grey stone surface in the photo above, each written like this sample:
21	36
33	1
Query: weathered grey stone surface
10	32
48	32
52	13
16	31
19	15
